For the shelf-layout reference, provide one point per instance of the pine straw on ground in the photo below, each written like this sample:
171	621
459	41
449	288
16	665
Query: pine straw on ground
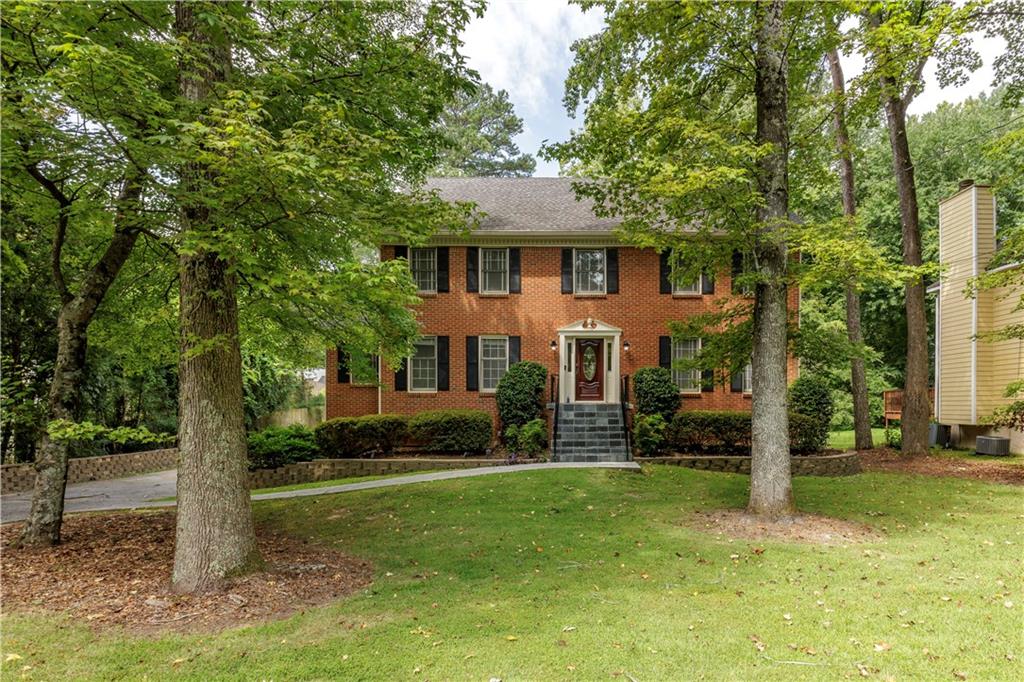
114	570
805	528
886	459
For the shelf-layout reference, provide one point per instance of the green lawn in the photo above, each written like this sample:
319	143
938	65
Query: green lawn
596	574
843	440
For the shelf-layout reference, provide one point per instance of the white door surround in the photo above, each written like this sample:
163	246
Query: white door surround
588	329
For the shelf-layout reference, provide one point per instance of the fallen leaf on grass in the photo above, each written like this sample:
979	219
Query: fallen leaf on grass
883	646
511	638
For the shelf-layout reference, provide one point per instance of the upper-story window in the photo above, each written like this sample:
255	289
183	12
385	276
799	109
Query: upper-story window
423	365
494	271
688	380
686	288
423	263
493	361
590	273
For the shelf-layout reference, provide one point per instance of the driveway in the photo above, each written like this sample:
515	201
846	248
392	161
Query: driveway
138	491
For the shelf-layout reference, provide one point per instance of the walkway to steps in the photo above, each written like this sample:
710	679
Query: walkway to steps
590	432
137	492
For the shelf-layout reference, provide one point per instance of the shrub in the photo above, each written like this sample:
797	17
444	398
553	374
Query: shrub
729	433
810	395
346	437
452	430
520	393
655	392
649	434
530	439
276	446
894	438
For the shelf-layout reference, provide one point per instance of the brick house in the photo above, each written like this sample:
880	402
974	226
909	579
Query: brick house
541	279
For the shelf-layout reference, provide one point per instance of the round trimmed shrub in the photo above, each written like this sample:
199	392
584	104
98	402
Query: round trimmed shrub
655	392
810	395
459	431
649	434
520	394
530	439
276	446
346	437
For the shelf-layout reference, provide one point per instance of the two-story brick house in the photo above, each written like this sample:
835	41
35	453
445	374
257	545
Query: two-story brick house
540	279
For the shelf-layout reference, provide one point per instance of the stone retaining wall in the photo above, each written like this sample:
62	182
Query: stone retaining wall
841	464
328	469
16	478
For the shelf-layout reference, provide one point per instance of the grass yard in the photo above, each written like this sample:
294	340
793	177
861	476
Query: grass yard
843	440
596	574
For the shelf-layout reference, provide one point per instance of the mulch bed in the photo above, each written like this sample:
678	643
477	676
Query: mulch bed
886	459
806	528
115	569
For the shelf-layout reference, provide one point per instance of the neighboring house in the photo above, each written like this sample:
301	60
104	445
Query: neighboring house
971	374
540	279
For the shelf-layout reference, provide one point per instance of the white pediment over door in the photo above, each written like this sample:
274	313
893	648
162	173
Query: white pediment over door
589	326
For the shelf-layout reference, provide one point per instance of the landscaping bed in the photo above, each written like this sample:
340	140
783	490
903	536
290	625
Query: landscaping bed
829	463
115	570
889	460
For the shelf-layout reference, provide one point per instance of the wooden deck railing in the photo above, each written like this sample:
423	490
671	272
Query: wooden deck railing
893	404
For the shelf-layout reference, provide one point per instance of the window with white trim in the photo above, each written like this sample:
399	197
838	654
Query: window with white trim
494	271
423	263
493	361
688	380
423	365
748	378
686	288
589	271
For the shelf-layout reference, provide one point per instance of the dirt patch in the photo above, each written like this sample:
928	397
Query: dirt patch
115	569
807	528
885	459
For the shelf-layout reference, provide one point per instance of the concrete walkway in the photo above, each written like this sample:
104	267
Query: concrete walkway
136	492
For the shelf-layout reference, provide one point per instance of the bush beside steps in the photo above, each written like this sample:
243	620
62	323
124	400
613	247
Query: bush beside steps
719	432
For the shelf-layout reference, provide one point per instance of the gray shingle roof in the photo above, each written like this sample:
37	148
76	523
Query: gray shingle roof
524	204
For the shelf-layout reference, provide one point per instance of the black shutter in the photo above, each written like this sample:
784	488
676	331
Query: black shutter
707	283
343	374
664	273
402	252
566	271
401	376
665	352
472	366
515	279
442	269
737	269
442	363
707	381
736	386
514	349
612	258
472	269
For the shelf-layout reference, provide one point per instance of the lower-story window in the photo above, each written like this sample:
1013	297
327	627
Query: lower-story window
493	361
688	380
748	378
423	365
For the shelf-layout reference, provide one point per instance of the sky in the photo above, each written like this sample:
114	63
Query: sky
523	46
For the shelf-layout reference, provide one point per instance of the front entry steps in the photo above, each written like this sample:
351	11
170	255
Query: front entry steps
590	432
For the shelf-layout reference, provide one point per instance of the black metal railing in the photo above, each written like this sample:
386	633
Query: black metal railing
624	404
554	417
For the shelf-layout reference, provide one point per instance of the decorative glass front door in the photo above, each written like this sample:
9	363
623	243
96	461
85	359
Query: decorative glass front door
590	369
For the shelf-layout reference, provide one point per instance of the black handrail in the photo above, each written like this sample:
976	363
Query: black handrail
554	418
624	403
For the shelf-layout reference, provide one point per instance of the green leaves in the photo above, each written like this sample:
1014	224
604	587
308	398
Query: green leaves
64	430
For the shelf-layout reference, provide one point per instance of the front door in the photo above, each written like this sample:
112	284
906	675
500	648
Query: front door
590	369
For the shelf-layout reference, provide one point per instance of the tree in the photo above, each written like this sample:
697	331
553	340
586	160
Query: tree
686	138
480	125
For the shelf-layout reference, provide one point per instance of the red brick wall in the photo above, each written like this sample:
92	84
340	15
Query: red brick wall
536	314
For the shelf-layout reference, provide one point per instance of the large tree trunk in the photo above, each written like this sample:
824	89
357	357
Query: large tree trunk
858	375
916	409
771	491
215	535
42	527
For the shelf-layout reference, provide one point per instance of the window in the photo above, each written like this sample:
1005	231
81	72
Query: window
494	271
688	380
423	365
589	274
423	263
748	378
493	361
686	288
365	370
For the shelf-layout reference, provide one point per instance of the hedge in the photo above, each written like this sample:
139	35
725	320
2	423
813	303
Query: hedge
276	446
655	392
346	437
520	394
452	430
729	433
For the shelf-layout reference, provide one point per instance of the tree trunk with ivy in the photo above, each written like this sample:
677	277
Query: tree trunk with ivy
771	491
215	536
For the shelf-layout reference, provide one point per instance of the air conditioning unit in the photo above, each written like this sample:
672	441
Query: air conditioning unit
992	445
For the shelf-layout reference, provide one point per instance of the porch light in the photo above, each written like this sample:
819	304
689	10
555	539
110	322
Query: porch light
625	346
554	345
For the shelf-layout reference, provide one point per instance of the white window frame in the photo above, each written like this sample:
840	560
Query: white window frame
483	280
604	279
679	290
411	371
748	378
480	361
412	268
677	373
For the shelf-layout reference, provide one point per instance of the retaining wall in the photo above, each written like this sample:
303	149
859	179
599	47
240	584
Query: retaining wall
16	478
328	469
